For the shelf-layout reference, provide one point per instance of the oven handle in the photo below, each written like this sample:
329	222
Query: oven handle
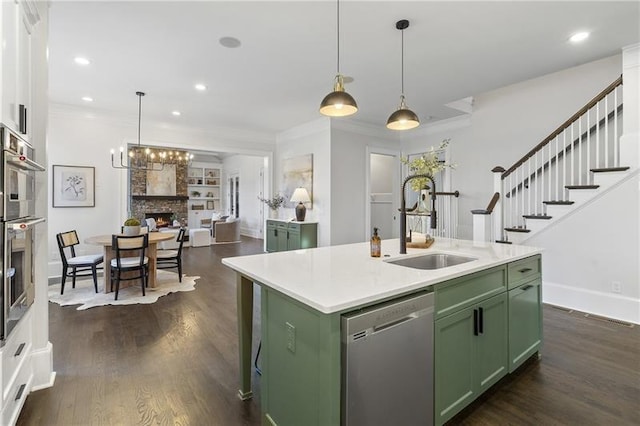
24	163
21	226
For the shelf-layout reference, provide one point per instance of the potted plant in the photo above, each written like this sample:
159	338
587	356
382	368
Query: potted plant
131	226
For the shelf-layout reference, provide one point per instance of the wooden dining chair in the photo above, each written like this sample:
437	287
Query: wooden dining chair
169	259
129	258
76	266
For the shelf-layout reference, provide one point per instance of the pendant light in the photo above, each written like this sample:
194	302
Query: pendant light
140	158
403	118
338	103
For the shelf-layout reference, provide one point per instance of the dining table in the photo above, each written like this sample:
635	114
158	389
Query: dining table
109	253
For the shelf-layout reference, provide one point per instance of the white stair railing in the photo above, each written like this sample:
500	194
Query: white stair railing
561	162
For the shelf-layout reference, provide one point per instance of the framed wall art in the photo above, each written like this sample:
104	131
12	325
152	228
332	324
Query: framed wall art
297	172
73	186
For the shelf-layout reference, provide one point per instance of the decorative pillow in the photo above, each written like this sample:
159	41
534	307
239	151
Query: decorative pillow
230	219
215	216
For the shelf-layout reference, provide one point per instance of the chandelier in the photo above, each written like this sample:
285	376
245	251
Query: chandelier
146	158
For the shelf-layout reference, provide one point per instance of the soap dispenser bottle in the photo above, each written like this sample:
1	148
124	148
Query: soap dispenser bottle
375	243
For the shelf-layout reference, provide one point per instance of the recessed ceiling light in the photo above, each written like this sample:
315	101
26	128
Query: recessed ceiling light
87	98
578	37
82	61
200	87
230	42
176	113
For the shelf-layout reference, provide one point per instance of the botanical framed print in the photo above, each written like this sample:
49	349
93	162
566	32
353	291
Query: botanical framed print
73	186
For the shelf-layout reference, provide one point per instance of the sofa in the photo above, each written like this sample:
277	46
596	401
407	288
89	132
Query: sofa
227	231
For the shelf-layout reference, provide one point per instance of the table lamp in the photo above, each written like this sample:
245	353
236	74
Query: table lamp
300	195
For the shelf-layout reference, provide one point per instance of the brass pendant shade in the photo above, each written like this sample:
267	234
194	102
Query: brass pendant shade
338	103
403	118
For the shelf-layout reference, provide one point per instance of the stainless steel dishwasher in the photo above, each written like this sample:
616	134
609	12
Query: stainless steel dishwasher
387	359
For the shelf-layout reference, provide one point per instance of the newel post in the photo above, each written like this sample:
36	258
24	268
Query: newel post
498	220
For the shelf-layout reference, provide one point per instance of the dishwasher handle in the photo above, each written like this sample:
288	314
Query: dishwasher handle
390	324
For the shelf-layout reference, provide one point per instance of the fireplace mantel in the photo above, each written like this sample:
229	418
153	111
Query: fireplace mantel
160	197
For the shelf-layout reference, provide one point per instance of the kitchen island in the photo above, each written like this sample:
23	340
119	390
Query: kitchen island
305	292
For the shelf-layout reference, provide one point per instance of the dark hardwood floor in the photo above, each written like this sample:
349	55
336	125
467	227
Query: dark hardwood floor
175	362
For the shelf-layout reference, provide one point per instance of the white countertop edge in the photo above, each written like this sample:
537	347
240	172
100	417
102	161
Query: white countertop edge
355	302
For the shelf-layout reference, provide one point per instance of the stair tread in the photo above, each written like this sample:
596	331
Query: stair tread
503	242
536	216
558	203
582	186
517	229
610	169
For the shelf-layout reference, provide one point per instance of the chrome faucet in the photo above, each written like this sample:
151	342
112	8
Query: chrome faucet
403	209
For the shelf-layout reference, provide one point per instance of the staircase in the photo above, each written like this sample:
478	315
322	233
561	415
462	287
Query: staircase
574	165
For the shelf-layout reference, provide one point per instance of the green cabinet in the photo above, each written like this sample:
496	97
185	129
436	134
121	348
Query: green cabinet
487	324
525	322
286	235
470	354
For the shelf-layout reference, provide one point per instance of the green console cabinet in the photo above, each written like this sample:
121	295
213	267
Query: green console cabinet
286	235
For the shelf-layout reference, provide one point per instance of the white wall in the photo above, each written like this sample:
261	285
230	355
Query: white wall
506	123
349	157
83	138
310	138
590	250
249	169
583	254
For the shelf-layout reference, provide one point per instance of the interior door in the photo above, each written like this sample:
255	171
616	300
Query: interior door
383	193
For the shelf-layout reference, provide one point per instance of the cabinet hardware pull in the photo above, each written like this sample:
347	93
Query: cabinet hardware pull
275	232
20	391
522	271
480	321
526	287
475	322
19	350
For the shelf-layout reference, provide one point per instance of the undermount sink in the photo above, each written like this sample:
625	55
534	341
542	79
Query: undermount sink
432	261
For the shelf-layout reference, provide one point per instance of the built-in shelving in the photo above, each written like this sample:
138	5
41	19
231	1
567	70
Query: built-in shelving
203	187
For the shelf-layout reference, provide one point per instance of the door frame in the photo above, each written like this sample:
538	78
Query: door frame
395	194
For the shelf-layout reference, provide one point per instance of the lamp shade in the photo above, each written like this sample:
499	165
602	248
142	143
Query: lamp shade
338	103
403	118
300	195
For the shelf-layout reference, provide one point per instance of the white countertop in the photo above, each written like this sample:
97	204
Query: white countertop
336	278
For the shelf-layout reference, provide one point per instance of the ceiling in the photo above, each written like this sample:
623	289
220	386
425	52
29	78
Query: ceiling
287	59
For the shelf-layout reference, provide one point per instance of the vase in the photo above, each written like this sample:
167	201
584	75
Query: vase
131	230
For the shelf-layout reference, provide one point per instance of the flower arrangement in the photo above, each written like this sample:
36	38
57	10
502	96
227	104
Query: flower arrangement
274	203
427	163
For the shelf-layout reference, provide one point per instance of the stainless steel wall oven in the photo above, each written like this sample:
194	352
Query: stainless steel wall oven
17	224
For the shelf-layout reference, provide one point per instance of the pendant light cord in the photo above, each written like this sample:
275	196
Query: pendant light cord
338	32
139	115
402	63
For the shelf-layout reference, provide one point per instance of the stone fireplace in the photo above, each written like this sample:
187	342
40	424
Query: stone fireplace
162	219
143	205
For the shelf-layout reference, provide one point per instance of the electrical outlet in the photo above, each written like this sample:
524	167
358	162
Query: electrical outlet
616	287
291	337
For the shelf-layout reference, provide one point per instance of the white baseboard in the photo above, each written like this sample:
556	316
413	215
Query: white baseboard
251	232
42	363
608	305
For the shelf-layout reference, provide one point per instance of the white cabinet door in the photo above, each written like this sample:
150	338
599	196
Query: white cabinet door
16	66
10	13
23	87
